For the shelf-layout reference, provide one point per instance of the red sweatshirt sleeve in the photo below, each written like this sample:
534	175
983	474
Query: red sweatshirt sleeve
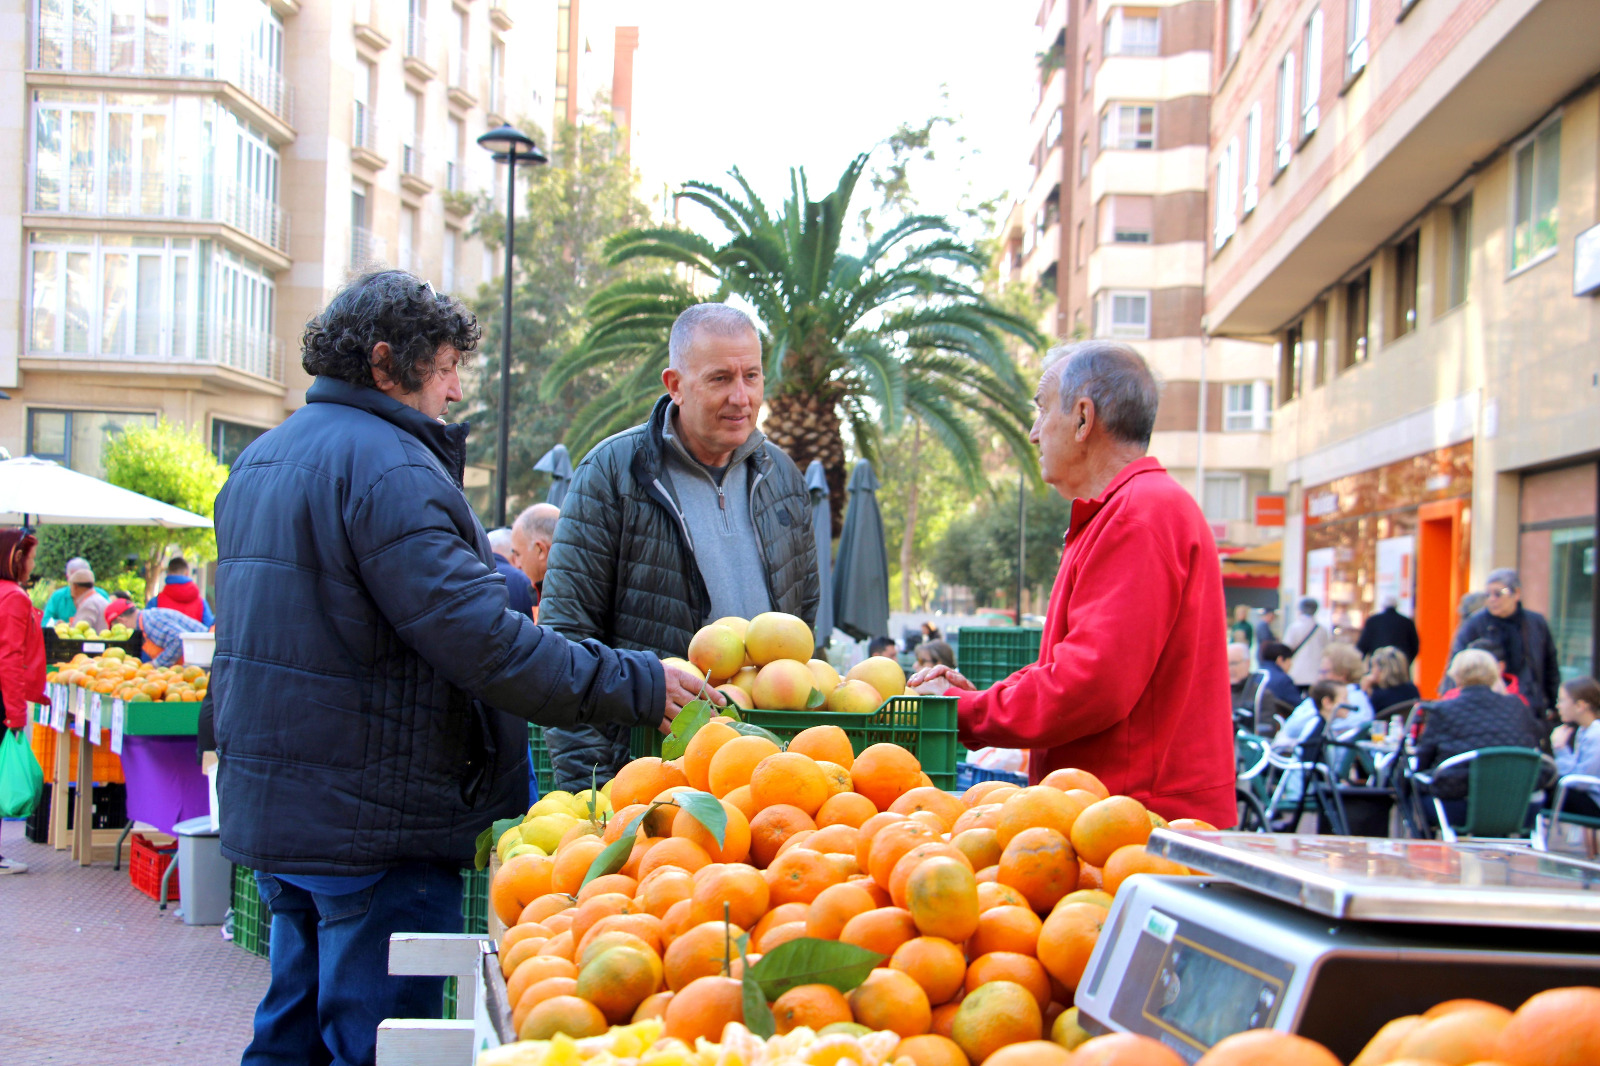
1122	604
21	659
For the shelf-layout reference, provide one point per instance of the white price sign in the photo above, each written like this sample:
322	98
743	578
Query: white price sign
79	709
118	723
94	718
58	708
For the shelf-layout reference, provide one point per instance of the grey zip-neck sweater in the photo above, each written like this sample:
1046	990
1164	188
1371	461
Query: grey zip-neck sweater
722	533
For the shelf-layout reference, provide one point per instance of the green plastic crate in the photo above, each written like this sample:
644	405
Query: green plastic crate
986	654
474	919
645	740
252	921
923	725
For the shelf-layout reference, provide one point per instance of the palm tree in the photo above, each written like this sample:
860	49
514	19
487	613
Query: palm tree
865	340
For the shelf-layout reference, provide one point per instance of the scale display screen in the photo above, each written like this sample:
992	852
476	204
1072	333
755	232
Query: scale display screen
1201	996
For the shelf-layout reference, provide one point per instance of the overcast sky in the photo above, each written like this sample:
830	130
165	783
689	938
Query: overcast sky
768	86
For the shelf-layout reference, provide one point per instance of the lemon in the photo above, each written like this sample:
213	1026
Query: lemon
602	803
546	830
508	840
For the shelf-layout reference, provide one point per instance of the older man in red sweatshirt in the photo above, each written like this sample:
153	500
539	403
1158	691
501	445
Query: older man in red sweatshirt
1132	678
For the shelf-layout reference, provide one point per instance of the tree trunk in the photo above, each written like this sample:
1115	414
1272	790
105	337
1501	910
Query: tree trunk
907	554
806	426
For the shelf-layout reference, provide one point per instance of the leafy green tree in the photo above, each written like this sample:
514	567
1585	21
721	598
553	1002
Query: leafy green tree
166	462
851	340
571	206
921	493
106	548
979	549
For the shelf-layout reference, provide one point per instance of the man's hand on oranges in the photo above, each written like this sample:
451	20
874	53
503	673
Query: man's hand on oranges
684	687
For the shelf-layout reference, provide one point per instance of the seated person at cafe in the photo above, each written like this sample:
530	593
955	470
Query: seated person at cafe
1243	681
1274	656
1576	741
1507	684
1341	663
1477	717
1388	679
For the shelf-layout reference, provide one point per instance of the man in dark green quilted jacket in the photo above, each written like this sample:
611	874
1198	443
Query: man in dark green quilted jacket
690	517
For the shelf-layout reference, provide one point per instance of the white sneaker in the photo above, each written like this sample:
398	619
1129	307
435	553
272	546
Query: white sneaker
12	866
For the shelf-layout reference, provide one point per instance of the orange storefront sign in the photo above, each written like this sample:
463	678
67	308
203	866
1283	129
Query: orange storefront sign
1270	510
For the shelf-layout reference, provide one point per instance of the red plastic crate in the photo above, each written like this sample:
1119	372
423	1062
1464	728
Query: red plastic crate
147	862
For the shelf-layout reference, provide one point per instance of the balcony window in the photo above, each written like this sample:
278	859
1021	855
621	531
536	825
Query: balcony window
1128	127
1536	193
1358	20
1283	136
1227	194
1224	498
1052	130
1123	315
1084	159
1311	77
1405	283
1460	252
151	156
1234	28
447	274
1357	317
166	40
1248	407
149	298
417	30
1127	219
1252	161
1132	32
229	439
1291	350
77	439
497	89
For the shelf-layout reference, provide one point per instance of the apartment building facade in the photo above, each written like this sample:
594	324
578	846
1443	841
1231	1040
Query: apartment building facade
190	182
1112	230
1405	201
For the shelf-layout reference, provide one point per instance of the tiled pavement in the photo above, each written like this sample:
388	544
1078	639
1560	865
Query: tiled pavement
93	975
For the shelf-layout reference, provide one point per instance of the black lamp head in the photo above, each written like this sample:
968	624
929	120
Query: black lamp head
507	141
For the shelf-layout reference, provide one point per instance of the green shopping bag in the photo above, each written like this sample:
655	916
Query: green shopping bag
21	777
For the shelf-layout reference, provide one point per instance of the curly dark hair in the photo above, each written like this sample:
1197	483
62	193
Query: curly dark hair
393	306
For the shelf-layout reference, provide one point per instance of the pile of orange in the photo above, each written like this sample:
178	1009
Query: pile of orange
985	907
126	678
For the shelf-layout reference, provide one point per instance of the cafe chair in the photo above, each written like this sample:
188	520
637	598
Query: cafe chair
1548	835
1500	784
1309	766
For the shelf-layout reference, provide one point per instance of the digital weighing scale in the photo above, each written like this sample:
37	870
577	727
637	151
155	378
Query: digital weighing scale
1331	937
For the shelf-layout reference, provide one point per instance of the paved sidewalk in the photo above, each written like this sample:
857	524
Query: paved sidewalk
92	974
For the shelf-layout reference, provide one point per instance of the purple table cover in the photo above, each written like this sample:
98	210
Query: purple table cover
165	785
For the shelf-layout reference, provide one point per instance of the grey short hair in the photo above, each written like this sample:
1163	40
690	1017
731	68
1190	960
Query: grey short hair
1308	605
1242	649
1113	377
722	320
1504	576
77	562
500	539
1474	667
539	522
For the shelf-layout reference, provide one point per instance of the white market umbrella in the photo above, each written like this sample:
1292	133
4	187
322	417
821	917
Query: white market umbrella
37	490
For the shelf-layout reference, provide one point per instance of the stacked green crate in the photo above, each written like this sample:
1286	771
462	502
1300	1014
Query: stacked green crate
923	725
252	921
986	654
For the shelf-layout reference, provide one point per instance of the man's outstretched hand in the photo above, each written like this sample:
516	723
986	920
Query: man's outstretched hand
934	674
684	687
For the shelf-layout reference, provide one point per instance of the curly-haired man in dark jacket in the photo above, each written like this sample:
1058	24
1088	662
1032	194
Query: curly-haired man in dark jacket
371	686
691	517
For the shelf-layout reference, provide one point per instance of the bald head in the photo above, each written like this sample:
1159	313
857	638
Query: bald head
531	536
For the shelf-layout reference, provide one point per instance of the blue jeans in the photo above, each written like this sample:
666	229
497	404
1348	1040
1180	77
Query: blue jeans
330	982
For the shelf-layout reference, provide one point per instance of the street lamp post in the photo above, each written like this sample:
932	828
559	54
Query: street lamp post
510	146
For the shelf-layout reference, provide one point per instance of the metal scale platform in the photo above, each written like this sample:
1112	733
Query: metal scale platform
1331	937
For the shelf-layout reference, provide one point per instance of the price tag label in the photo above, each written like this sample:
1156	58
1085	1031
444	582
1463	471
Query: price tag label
93	649
94	718
119	714
58	708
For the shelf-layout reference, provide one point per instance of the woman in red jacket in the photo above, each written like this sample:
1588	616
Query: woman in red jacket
21	641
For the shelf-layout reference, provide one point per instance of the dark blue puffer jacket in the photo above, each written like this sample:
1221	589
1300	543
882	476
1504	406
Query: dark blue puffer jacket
371	688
